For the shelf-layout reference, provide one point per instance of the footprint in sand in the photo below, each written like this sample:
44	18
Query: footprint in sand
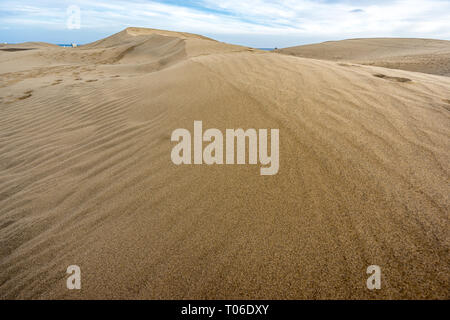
92	80
26	95
447	101
396	79
57	82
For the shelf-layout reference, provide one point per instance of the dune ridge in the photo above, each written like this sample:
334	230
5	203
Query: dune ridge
86	176
419	55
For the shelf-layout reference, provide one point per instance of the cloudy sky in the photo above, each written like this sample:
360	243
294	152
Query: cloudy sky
257	23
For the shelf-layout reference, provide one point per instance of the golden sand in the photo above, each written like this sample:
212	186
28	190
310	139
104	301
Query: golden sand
86	177
419	55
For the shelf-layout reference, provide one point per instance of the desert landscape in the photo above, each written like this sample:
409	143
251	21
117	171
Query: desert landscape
86	176
419	55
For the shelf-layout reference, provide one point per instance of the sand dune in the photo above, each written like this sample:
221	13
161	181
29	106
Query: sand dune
419	55
29	45
86	176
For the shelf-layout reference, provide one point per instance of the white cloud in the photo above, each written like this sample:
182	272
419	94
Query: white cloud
295	18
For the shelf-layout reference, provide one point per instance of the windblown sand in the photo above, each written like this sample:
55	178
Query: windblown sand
418	55
86	176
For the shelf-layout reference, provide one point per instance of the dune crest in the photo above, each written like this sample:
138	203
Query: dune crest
419	55
86	177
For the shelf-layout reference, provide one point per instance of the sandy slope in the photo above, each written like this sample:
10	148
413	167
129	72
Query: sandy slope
420	55
86	176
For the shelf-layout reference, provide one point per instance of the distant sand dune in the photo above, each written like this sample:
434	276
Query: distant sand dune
420	55
86	176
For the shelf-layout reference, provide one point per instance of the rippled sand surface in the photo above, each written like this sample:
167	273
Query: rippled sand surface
86	176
